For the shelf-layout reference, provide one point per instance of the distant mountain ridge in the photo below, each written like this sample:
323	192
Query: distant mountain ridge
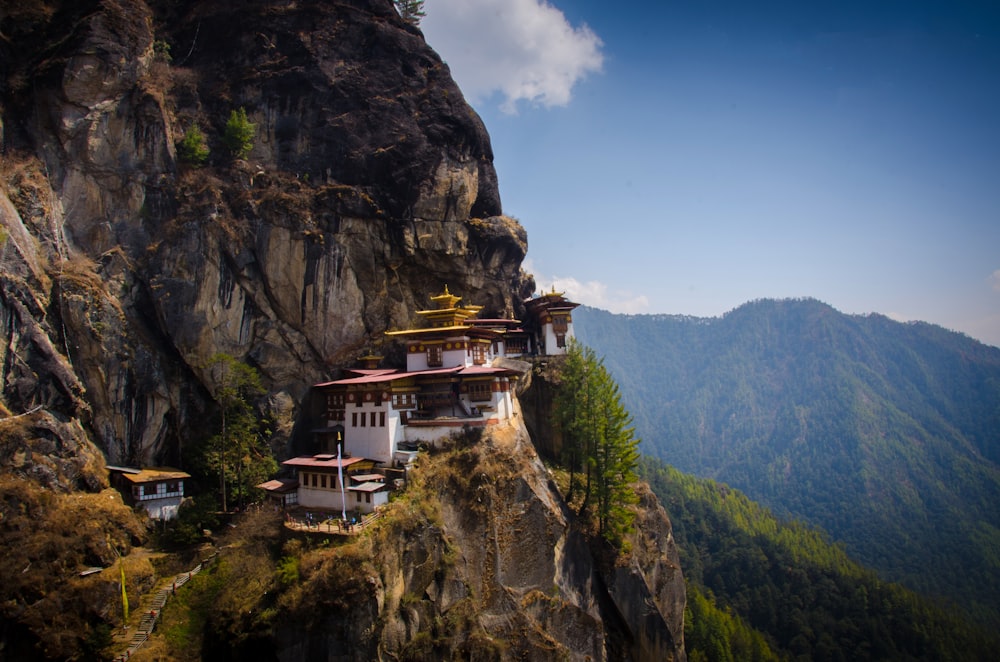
885	434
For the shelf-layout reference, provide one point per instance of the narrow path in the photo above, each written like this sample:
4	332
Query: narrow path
151	614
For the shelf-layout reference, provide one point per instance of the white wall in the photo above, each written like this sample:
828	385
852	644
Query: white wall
315	497
162	508
551	348
374	443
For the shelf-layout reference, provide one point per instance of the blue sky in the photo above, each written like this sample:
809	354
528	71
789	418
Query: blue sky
687	157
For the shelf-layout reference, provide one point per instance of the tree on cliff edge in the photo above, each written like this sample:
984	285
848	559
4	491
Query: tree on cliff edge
411	10
600	450
238	454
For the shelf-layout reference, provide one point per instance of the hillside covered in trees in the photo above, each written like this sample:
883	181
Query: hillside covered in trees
884	434
764	589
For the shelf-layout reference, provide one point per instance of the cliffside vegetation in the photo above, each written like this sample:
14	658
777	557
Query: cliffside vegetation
884	434
411	10
58	517
599	450
237	455
761	588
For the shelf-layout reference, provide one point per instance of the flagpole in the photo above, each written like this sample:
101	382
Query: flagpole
340	473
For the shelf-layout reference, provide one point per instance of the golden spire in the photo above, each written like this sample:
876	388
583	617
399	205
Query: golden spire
446	299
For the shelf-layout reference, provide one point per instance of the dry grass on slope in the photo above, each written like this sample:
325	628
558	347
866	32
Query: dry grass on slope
48	539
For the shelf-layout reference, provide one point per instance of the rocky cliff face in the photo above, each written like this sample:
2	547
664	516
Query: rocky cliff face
369	186
479	559
123	270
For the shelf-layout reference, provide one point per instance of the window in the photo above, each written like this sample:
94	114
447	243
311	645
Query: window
363	419
373	419
517	346
404	400
368	497
434	355
354	419
478	353
560	326
381	419
322	481
480	391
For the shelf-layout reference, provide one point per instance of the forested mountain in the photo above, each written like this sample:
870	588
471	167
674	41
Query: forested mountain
885	434
762	589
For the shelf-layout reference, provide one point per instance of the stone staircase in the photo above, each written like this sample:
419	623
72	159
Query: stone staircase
151	612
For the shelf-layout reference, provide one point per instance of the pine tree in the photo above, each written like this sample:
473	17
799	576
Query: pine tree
192	149
570	405
616	457
238	453
599	450
411	10
239	134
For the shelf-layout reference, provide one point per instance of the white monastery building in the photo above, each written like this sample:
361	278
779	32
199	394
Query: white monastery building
453	380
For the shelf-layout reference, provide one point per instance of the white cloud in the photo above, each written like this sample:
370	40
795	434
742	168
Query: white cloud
995	280
594	293
524	49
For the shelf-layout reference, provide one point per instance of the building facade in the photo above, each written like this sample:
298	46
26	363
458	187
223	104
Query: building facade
158	490
453	381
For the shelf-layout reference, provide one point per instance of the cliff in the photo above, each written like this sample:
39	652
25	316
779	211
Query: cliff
478	559
124	270
370	185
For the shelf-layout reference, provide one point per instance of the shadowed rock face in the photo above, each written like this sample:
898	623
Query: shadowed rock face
370	185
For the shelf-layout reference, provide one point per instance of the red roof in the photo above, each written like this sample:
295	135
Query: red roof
279	485
367	379
390	377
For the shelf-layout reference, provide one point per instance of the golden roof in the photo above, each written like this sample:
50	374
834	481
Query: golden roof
448	313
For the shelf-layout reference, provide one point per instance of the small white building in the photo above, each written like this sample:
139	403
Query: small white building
158	490
552	322
282	491
338	485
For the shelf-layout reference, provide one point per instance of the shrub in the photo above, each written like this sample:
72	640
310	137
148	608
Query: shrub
161	51
239	134
192	149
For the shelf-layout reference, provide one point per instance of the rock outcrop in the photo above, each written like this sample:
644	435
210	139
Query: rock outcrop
370	185
479	559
